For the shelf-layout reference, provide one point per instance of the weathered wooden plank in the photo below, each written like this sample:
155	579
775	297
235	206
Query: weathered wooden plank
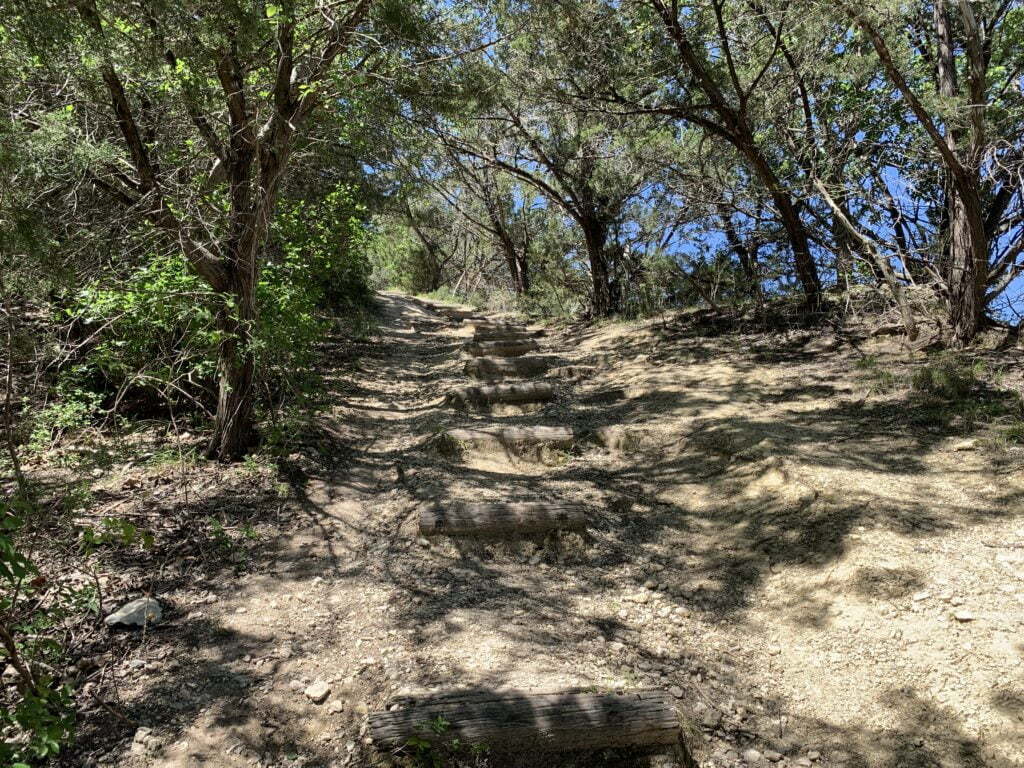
496	325
490	368
525	442
572	371
500	348
483	396
500	518
507	334
521	721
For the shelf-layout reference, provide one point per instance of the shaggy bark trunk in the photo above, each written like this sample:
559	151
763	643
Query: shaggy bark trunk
605	302
968	268
233	432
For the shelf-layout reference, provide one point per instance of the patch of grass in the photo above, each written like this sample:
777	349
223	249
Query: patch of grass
946	377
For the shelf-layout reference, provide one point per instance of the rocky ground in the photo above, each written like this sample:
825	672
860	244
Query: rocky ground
821	572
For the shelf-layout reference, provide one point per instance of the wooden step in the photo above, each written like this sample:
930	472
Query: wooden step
482	397
534	443
500	519
500	348
520	334
572	371
521	722
496	325
457	313
491	368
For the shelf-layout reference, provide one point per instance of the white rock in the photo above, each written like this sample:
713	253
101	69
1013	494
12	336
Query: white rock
145	742
137	613
963	616
318	692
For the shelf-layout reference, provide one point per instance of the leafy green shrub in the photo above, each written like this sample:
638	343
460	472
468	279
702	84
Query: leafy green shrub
154	334
36	713
72	408
150	335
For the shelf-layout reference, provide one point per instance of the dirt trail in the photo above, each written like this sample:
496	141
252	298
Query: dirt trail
787	556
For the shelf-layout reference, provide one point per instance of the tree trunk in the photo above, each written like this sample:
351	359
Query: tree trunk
968	268
233	432
806	269
604	300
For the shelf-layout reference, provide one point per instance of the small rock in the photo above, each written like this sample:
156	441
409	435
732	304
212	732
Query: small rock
965	445
650	584
963	616
318	692
336	707
774	650
751	756
145	742
423	542
137	613
919	596
97	473
676	691
772	755
296	685
804	762
814	755
711	718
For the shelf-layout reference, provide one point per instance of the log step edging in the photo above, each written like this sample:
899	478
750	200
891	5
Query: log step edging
490	368
494	394
484	519
523	442
519	721
522	334
501	348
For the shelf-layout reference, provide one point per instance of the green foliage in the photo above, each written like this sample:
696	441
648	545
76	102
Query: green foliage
428	749
151	335
946	377
37	718
115	531
154	332
71	409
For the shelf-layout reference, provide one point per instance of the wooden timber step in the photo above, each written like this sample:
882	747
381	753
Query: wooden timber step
518	393
536	443
501	348
491	368
500	519
496	325
507	335
523	722
456	313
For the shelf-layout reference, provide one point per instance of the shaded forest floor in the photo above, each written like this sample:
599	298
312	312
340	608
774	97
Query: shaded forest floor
826	570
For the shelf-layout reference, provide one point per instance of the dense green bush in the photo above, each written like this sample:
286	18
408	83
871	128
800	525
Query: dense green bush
149	336
36	712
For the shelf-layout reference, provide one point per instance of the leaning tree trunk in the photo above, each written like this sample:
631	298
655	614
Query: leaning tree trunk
806	269
233	431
